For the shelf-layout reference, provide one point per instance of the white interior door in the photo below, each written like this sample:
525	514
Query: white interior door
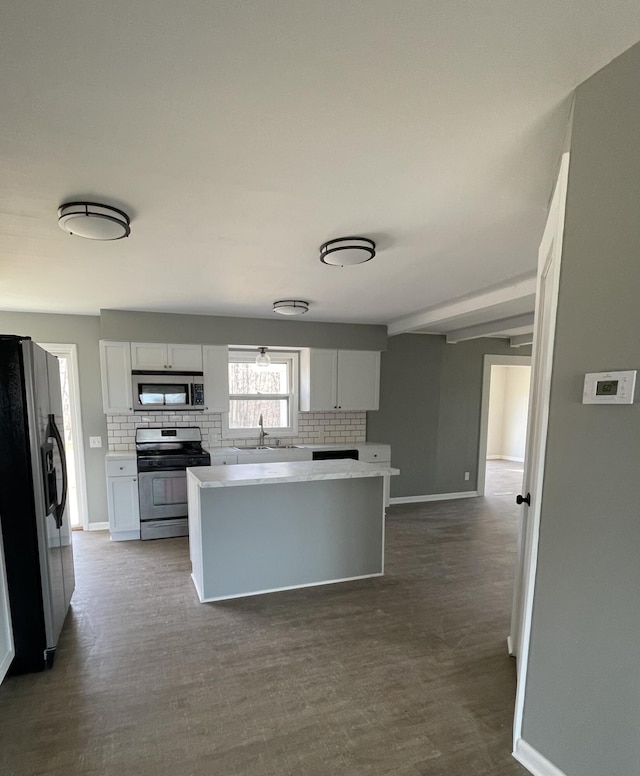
549	257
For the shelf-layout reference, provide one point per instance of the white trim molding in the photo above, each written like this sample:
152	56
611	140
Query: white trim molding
533	761
70	352
433	497
98	526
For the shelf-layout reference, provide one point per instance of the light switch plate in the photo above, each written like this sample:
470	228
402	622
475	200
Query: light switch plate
95	441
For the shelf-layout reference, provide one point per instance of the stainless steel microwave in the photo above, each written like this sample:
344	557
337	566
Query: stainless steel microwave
153	391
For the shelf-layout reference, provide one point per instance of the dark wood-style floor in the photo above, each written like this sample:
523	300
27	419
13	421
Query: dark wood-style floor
406	674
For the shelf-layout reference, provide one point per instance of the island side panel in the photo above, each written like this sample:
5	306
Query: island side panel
195	534
260	538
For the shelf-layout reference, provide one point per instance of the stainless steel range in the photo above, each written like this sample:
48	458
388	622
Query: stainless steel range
163	457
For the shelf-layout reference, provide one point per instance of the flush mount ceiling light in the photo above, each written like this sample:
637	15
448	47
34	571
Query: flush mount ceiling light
93	221
263	358
346	251
290	307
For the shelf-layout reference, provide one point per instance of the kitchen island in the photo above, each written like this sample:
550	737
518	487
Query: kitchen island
258	528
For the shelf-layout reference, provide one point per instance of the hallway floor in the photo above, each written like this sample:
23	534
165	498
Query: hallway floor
406	674
504	478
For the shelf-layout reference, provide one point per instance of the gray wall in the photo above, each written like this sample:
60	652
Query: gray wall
430	395
217	330
83	330
582	700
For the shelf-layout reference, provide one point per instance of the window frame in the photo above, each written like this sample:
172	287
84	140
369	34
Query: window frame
239	355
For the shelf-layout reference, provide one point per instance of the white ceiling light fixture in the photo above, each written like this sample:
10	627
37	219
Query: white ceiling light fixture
291	307
263	358
93	221
347	251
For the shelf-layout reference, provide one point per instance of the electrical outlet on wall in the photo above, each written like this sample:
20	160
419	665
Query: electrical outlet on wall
95	441
466	476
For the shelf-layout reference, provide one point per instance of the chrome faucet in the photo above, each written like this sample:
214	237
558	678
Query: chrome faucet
263	433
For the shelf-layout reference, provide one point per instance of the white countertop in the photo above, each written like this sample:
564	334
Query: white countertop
273	447
126	454
291	471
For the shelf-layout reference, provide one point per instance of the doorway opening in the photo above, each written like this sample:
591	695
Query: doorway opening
503	425
507	429
70	388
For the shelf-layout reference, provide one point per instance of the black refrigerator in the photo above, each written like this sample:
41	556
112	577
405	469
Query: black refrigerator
33	496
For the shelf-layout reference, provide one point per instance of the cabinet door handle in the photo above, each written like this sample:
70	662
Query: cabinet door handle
135	479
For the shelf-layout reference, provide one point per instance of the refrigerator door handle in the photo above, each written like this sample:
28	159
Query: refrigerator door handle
52	431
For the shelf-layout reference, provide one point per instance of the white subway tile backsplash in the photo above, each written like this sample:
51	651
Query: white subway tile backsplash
313	428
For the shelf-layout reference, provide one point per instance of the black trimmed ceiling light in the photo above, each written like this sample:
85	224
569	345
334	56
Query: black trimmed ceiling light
263	358
347	251
291	307
94	221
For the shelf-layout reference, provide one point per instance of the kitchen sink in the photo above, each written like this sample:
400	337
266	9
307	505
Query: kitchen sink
246	448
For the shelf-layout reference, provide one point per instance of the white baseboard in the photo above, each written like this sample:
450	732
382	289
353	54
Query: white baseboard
433	497
533	761
282	589
494	458
504	458
98	526
510	646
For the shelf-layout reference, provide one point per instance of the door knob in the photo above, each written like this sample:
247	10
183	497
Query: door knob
524	499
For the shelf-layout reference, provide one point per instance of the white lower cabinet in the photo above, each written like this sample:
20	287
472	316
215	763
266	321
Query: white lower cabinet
274	456
122	498
222	459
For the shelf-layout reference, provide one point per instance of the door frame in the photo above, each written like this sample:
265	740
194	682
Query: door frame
70	352
489	361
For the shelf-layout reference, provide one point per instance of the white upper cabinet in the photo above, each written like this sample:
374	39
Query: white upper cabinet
339	380
318	380
115	368
216	378
358	379
148	355
185	357
157	355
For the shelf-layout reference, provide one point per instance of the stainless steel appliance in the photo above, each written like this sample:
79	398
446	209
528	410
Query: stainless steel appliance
33	500
167	391
163	456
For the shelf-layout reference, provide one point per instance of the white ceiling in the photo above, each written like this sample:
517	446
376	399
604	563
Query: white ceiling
241	135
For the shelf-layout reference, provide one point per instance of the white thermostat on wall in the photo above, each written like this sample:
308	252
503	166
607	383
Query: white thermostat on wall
609	387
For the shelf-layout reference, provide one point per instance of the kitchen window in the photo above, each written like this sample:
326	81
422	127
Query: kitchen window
270	391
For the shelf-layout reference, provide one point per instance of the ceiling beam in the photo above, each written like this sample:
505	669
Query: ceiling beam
490	329
523	287
521	339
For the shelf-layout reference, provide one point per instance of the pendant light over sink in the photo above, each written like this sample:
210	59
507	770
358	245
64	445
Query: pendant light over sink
263	358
